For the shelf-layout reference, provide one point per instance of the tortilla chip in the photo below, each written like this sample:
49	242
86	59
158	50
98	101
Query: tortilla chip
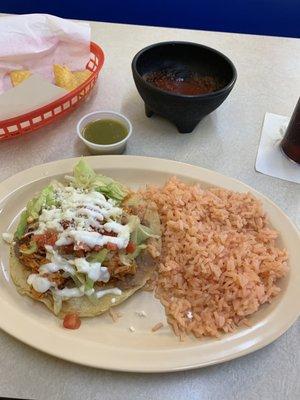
82	305
19	76
82	76
67	79
64	77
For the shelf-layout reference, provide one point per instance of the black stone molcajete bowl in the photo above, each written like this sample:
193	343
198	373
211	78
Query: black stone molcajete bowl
185	111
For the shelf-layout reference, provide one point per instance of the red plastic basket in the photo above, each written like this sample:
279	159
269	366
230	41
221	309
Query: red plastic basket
29	122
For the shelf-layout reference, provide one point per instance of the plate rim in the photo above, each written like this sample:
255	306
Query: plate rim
15	181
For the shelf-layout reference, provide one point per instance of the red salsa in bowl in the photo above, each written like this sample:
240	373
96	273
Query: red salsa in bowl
183	82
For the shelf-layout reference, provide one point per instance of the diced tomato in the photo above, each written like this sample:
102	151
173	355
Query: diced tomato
71	321
49	237
130	247
111	246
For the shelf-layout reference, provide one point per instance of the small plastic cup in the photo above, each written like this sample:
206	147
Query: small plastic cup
114	148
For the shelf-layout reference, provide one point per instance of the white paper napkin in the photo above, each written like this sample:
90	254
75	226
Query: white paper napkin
37	41
270	158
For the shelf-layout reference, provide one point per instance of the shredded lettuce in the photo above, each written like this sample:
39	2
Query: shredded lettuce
133	201
31	249
57	302
22	225
137	251
112	190
128	258
141	234
125	259
49	196
133	223
99	256
81	278
89	284
78	278
144	233
85	177
45	198
33	208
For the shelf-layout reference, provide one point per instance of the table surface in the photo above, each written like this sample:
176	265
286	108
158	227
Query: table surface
226	141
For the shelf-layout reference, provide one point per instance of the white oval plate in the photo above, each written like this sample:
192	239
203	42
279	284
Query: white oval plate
104	344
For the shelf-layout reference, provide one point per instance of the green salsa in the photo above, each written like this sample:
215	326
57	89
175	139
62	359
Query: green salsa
105	131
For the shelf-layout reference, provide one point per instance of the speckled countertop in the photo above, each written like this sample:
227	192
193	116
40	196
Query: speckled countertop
226	141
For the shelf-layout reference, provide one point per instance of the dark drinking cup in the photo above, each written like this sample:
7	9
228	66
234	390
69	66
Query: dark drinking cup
291	142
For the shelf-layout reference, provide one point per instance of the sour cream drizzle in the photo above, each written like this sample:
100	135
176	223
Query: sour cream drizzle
39	283
83	211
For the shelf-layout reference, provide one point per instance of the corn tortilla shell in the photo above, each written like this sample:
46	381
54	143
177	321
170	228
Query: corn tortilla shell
82	305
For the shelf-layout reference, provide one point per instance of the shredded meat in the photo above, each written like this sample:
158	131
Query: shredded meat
56	277
117	269
33	261
79	253
49	237
67	249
